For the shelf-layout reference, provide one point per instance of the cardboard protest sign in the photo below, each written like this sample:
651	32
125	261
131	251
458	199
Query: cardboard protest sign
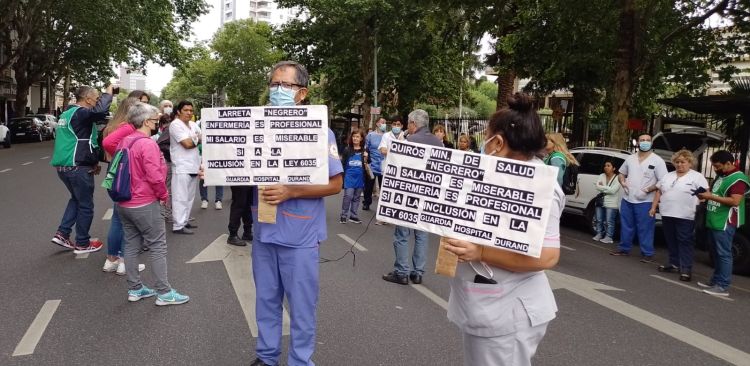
265	145
480	198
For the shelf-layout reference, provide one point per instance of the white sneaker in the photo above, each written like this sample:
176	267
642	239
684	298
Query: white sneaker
218	205
204	204
110	266
607	240
598	237
121	268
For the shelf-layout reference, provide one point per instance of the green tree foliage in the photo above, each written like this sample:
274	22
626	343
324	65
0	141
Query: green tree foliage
236	62
337	43
81	40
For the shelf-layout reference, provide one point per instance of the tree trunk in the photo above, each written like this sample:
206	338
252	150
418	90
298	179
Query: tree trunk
505	81
66	90
23	84
582	100
622	90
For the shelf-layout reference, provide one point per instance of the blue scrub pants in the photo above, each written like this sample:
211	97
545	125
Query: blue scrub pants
634	219
294	272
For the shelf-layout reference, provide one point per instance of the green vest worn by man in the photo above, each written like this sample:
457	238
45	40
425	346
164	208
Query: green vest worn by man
68	144
717	215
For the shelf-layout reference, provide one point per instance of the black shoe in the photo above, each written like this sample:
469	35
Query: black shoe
259	362
365	208
685	276
191	226
396	278
619	253
415	278
184	230
247	236
342	220
647	259
355	220
234	240
669	268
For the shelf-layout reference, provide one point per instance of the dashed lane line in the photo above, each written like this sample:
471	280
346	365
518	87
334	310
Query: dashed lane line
688	287
29	341
568	248
352	242
107	214
28	162
82	256
44	157
431	295
5	170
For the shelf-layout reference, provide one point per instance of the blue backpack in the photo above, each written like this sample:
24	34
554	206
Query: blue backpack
117	181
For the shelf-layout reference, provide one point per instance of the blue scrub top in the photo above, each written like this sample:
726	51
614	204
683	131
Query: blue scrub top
372	141
300	222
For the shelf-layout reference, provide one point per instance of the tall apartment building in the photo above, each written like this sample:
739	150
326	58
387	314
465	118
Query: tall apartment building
132	79
258	10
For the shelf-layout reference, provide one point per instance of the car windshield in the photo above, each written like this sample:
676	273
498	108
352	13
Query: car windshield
20	122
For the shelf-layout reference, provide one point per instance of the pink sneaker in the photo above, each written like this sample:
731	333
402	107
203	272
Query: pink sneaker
62	241
94	246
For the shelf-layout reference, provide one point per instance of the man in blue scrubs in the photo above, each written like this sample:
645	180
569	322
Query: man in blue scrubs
285	255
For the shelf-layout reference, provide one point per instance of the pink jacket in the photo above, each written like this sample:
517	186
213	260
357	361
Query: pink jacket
111	141
148	171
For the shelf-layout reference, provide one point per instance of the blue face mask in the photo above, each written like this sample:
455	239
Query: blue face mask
396	130
282	98
382	127
644	145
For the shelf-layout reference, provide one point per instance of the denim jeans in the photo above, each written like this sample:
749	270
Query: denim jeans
605	218
80	208
680	241
722	240
350	205
401	247
204	192
634	219
115	235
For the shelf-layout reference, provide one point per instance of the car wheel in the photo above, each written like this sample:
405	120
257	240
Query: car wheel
590	219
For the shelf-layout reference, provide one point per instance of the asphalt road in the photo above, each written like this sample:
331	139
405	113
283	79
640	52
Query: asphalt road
612	310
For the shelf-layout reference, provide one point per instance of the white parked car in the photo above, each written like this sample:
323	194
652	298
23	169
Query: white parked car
4	135
664	144
49	121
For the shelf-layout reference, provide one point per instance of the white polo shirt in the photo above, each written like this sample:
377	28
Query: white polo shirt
385	142
640	175
677	198
184	161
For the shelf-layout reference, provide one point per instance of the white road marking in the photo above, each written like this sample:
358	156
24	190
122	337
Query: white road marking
568	248
352	242
29	341
694	288
28	162
592	291
239	268
82	255
431	295
107	214
44	157
5	170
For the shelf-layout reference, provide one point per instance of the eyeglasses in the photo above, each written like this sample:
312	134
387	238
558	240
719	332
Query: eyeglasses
284	85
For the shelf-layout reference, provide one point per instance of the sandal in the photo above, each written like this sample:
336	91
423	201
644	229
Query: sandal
668	268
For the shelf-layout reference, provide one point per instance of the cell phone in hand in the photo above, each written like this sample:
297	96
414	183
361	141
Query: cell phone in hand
698	191
115	90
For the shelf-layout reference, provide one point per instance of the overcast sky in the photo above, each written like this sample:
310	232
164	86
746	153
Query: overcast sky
158	76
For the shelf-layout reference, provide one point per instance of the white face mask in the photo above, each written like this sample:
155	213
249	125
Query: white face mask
168	110
484	147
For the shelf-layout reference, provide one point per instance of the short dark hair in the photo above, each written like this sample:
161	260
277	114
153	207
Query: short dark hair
138	94
181	105
612	162
519	125
722	156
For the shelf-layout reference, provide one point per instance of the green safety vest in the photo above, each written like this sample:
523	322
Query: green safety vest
717	215
66	140
555	154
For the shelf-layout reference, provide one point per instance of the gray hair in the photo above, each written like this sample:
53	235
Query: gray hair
301	77
83	91
420	118
140	112
164	102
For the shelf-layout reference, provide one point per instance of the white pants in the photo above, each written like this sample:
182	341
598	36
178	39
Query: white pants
183	194
514	349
